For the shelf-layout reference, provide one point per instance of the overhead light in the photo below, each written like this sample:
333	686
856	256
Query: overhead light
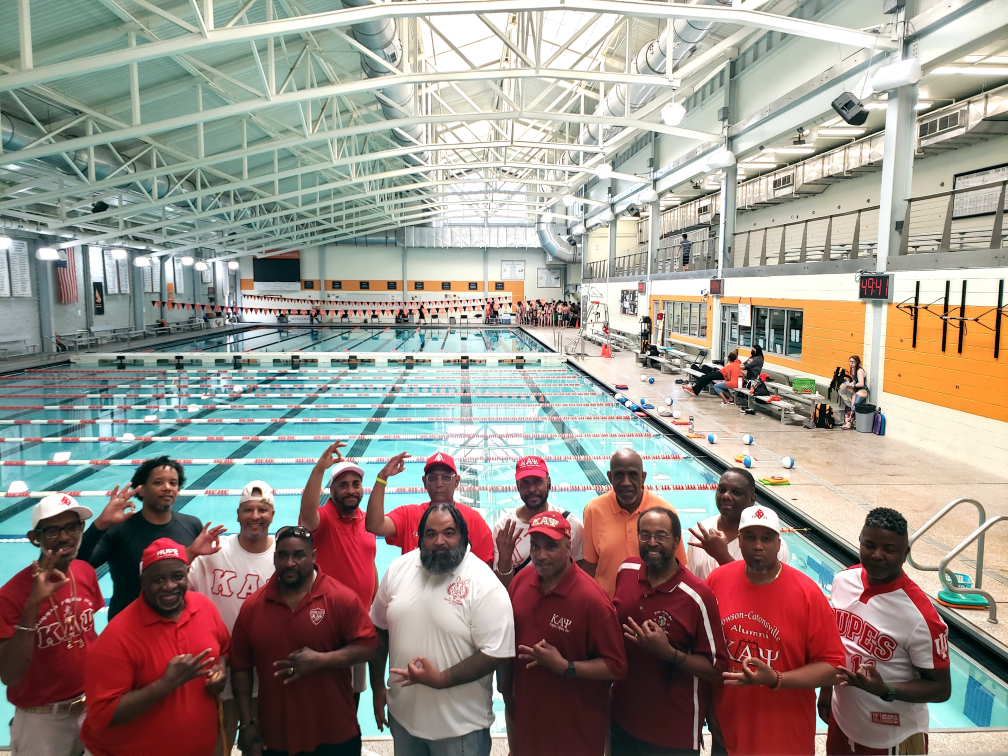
119	254
546	217
672	114
902	73
233	265
761	160
187	260
606	216
923	105
796	150
5	242
647	195
972	70
569	200
603	170
142	262
839	131
578	229
201	266
47	253
721	159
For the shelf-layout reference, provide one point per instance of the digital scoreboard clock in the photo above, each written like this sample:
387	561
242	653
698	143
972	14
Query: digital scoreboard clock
875	286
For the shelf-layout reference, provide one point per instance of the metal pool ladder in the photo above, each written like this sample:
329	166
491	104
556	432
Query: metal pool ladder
978	535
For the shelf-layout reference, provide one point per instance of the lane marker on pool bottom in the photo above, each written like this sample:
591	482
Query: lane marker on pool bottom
283	395
391	490
177	407
352	437
310	420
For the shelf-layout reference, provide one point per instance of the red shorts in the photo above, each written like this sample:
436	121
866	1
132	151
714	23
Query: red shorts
839	744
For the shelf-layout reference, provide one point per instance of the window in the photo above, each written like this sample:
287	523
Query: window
759	326
794	333
777	330
703	320
775	338
391	285
694	319
365	285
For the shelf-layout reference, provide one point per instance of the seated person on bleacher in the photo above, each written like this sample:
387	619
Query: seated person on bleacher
716	374
752	367
855	391
732	373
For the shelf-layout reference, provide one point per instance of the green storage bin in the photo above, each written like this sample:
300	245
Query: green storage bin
803	385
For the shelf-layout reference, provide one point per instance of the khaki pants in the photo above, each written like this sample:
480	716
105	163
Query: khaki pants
46	734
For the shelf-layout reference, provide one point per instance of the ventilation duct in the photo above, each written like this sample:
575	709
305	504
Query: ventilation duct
557	248
397	100
652	60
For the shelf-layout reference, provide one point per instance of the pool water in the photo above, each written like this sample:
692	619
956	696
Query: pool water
487	417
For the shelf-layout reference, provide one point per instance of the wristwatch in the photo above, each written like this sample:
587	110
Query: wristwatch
570	671
890	695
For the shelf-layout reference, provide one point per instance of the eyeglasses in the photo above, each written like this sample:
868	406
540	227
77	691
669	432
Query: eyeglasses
439	477
293	531
53	531
661	536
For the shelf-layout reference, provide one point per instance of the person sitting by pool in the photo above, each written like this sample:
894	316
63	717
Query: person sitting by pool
854	391
714	375
732	373
399	527
752	367
118	539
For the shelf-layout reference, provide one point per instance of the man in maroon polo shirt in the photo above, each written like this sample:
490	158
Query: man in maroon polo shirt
569	648
346	551
399	527
302	632
152	677
674	645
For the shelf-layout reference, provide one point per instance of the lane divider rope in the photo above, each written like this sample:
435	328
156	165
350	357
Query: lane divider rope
310	420
330	438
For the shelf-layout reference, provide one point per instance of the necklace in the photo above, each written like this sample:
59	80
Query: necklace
70	620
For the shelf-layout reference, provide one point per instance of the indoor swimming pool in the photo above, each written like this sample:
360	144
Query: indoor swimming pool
61	429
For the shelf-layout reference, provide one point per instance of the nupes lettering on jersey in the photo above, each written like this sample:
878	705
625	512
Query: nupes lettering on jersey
867	636
223	584
457	591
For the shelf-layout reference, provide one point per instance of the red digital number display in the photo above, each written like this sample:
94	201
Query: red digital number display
874	287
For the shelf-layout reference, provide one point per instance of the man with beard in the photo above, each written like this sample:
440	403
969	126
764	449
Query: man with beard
782	640
301	633
118	538
346	551
243	565
152	676
511	532
46	626
896	647
569	648
610	520
400	527
717	537
675	647
445	622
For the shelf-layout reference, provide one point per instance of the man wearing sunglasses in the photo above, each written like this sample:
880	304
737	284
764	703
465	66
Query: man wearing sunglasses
46	624
399	527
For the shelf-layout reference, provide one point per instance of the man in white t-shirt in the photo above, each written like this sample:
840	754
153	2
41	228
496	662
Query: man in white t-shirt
446	623
896	647
242	566
716	538
510	533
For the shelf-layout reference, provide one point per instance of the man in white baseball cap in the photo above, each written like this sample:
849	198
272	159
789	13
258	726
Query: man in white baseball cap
46	625
243	564
781	635
345	550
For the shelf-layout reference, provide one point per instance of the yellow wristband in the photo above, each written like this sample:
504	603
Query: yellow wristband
380	480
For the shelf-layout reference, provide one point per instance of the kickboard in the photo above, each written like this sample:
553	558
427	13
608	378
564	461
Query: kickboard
641	413
622	387
775	481
664	413
647	406
694	435
680	422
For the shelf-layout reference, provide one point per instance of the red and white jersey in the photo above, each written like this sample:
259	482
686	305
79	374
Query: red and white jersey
895	627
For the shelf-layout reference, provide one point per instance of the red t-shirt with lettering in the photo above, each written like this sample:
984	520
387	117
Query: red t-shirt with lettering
346	551
787	624
407	522
56	672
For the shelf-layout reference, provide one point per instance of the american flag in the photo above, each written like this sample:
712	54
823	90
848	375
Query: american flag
66	271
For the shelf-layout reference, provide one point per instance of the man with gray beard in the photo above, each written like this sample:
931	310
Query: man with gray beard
445	622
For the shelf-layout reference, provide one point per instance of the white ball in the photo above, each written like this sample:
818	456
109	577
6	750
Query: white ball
669	401
676	414
747	439
788	462
127	437
643	379
712	438
617	396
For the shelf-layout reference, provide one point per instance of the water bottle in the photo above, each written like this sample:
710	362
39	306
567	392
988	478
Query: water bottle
691	430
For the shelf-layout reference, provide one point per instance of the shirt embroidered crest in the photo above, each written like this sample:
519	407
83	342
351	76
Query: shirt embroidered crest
317	614
458	590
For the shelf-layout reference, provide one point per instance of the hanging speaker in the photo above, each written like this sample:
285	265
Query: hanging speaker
850	109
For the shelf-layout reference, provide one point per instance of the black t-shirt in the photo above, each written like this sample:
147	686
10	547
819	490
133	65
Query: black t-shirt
121	546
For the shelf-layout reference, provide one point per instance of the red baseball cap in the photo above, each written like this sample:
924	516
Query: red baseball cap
551	524
531	467
440	458
162	548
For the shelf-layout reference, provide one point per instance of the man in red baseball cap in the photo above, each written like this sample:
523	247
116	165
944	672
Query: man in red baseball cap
511	539
157	667
569	647
399	527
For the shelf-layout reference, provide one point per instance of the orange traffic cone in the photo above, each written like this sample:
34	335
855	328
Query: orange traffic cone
606	351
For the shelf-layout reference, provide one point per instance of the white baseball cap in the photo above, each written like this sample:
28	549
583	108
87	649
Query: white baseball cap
759	516
265	492
57	504
342	467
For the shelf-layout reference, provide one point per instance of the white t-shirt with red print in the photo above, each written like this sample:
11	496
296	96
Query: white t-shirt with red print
896	628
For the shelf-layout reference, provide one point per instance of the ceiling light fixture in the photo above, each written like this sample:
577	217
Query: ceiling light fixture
603	170
578	229
119	254
233	265
606	216
839	132
47	253
187	261
201	266
569	200
546	217
5	242
796	150
672	114
142	262
647	195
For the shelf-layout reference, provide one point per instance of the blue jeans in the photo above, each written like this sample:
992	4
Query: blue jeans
475	743
722	389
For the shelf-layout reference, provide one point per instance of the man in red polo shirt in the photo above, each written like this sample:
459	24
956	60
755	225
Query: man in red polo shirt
302	632
675	648
399	527
346	551
152	676
46	626
569	648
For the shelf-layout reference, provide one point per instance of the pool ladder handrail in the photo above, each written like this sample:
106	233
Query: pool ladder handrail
978	535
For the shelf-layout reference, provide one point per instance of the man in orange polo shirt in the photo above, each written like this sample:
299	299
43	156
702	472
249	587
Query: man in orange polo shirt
610	520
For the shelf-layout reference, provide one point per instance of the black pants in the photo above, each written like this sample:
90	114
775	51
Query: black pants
350	747
622	743
701	383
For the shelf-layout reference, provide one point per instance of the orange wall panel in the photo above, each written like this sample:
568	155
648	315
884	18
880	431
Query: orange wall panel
247	284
